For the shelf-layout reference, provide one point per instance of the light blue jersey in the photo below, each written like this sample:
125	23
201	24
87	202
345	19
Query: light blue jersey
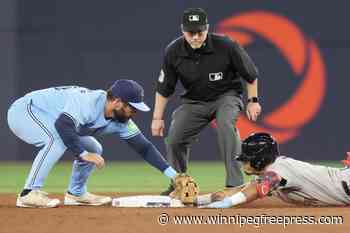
84	106
32	118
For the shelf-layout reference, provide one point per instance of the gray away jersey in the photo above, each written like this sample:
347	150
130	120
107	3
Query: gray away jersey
310	184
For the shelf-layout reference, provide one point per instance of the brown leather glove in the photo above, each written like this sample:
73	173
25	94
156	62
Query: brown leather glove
186	189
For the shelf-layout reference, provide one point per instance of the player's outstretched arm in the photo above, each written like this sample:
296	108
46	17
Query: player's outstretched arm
248	193
252	191
208	198
149	152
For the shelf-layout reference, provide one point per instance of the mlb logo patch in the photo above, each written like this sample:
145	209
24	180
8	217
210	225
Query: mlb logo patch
216	76
193	18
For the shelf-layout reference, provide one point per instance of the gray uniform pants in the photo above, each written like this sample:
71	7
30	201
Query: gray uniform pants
191	117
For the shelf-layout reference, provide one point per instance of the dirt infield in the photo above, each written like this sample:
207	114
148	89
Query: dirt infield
137	220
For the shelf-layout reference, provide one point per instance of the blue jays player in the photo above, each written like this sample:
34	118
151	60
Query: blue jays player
290	180
69	117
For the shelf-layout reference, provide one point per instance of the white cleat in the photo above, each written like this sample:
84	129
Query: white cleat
86	199
36	199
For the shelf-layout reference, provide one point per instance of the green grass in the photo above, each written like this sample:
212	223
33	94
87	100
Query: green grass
117	177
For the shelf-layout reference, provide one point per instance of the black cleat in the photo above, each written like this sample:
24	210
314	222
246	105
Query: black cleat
168	190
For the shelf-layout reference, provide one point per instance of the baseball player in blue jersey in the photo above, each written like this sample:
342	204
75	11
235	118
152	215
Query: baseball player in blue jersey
69	117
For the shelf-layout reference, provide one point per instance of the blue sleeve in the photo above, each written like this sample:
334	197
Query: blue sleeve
66	129
148	151
128	130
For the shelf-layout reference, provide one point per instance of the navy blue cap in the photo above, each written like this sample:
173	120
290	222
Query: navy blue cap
130	92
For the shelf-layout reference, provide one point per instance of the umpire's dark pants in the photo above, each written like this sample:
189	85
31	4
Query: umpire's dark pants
191	117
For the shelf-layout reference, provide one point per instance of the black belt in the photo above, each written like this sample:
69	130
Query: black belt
345	187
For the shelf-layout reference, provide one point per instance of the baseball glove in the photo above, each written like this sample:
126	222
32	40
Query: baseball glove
186	189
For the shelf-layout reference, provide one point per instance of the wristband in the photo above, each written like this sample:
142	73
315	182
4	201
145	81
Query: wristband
238	198
170	172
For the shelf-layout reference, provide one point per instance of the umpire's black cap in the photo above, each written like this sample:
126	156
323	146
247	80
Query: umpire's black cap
194	20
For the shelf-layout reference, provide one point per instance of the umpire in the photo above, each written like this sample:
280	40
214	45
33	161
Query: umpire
211	68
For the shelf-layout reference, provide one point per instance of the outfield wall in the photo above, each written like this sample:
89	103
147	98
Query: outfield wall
300	47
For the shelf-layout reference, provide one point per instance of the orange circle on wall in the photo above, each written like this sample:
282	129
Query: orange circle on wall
304	57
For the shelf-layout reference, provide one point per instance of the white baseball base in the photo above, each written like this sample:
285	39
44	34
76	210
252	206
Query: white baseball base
146	201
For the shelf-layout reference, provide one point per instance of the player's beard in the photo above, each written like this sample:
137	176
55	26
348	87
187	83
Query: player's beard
119	115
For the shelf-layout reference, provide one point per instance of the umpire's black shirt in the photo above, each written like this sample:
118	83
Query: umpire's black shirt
207	72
